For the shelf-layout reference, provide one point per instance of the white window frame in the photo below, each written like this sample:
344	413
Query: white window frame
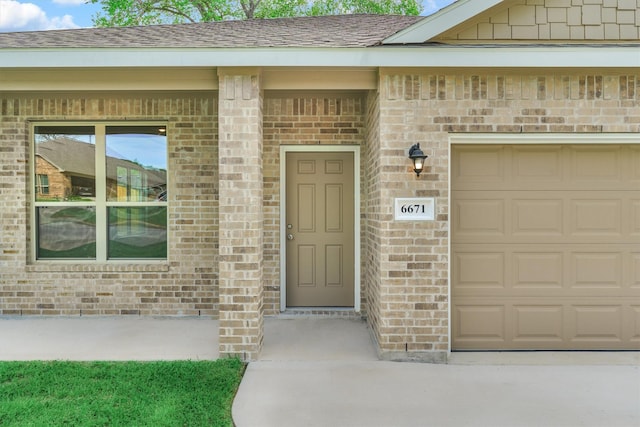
101	204
39	186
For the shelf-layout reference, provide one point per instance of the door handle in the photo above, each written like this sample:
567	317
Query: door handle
289	236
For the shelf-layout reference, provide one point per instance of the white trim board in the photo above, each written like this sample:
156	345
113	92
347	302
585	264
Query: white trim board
441	21
284	149
509	56
544	138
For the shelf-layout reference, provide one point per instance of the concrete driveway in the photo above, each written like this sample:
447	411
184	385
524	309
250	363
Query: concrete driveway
324	372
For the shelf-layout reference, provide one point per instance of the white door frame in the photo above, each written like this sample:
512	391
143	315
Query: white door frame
284	149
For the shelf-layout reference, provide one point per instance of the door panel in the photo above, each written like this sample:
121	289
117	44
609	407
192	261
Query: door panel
320	229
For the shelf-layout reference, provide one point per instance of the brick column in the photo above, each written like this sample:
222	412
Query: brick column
411	318
241	213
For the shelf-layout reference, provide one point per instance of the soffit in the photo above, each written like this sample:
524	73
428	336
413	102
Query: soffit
180	79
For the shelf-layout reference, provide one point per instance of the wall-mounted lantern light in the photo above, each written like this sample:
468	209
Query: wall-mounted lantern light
418	157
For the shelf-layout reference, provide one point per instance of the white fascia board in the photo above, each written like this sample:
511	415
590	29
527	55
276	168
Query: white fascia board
413	56
441	21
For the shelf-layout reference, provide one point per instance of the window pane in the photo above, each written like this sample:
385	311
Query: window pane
42	185
66	232
65	160
136	163
139	232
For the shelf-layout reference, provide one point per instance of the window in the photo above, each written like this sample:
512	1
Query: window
42	185
100	191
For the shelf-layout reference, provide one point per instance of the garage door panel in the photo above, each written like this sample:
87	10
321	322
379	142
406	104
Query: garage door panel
634	218
545	324
596	164
538	270
479	271
552	270
475	165
551	167
535	164
596	217
634	324
634	274
634	159
538	323
537	217
545	217
480	218
545	249
596	270
479	324
596	323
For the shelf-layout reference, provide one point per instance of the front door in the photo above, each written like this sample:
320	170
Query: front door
319	228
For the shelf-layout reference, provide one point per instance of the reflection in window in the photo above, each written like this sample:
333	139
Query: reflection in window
42	185
136	163
66	232
139	232
65	155
100	192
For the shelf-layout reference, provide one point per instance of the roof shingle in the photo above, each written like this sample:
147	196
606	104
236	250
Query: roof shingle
320	31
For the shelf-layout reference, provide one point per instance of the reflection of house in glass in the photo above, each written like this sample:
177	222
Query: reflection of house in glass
65	169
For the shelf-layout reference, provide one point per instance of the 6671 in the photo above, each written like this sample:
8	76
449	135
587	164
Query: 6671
409	208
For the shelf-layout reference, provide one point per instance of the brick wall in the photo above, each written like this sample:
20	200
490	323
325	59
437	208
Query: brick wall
293	119
413	285
186	284
372	221
557	20
404	265
59	183
241	214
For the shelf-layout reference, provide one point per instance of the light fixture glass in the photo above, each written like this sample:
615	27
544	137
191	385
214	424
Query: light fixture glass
418	157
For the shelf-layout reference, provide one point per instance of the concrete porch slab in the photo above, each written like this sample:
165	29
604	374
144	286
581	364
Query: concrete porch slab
317	339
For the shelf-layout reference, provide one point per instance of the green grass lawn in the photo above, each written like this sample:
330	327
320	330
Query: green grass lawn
180	393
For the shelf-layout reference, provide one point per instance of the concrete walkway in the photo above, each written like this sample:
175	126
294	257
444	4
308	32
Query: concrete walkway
324	372
108	338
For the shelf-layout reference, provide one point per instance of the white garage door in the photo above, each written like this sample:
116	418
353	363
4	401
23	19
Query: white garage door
545	250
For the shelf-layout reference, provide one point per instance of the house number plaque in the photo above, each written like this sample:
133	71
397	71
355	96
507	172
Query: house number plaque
417	209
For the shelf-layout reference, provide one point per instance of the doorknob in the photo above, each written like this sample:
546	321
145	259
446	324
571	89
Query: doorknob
289	236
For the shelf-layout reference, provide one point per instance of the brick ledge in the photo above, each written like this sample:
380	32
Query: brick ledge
91	268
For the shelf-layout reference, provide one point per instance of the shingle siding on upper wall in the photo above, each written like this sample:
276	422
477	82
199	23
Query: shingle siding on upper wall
574	20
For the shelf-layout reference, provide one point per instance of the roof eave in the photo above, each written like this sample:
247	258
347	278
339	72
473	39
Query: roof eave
477	56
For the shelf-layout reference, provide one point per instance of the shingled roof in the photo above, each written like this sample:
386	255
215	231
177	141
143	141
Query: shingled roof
320	31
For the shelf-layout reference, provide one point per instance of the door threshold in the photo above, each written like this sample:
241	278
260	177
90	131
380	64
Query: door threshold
320	312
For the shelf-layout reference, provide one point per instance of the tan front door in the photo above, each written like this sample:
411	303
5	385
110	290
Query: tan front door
545	247
319	228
